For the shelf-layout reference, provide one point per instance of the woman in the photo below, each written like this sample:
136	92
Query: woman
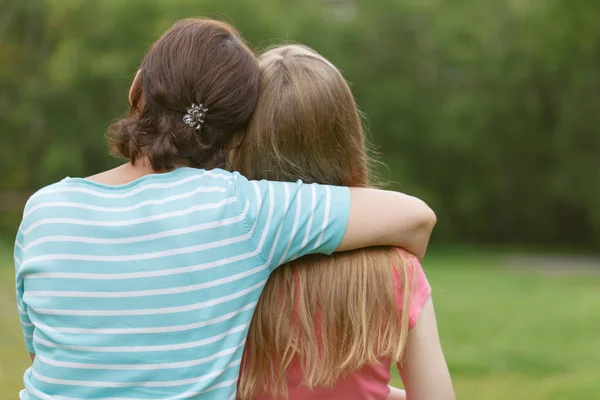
325	327
140	282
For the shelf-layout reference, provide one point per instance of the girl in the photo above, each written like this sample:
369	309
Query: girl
140	282
329	327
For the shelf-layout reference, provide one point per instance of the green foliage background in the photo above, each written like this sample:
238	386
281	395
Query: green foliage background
489	110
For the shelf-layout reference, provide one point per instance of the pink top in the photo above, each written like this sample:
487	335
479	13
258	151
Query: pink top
371	382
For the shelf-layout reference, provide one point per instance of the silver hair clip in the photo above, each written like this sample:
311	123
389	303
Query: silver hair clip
195	116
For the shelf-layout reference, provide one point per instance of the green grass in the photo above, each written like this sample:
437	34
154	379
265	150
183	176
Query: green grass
14	358
519	335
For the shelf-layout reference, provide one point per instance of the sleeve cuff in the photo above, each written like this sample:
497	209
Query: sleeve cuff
340	214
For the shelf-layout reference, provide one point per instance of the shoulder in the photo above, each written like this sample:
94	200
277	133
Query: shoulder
414	270
44	193
418	285
409	258
37	201
245	189
409	262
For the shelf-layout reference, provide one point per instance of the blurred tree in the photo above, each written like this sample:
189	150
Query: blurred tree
489	110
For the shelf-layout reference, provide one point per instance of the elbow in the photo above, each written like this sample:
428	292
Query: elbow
423	230
428	220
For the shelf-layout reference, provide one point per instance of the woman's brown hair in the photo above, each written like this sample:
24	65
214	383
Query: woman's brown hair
197	61
331	314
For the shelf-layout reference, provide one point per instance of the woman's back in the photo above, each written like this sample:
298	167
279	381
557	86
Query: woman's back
118	283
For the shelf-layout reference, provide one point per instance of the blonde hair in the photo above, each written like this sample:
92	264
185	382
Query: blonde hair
332	314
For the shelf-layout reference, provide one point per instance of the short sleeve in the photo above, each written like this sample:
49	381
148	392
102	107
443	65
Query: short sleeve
26	324
289	220
421	289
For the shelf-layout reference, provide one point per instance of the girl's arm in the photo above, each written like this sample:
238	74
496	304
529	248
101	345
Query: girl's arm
385	218
423	369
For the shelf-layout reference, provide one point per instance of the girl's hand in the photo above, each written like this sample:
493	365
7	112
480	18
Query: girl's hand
396	394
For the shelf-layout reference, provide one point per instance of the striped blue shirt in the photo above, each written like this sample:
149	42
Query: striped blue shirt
146	290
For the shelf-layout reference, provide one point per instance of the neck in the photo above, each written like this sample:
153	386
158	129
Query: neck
141	167
126	173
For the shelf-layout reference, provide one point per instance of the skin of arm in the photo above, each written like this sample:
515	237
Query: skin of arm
423	369
396	394
32	356
386	218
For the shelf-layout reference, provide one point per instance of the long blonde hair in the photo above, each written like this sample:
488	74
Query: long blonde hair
332	314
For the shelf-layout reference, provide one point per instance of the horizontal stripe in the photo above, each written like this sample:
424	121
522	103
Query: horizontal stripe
185	395
30	390
143	274
143	238
135	331
152	311
137	221
104	384
164	200
143	256
125	194
19	245
151	292
141	367
144	349
224	384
